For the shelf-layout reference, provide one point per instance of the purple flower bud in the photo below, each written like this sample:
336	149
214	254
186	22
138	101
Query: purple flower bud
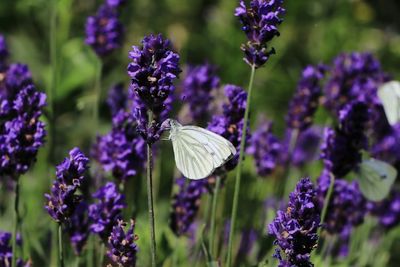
104	31
387	210
260	22
117	98
6	250
78	227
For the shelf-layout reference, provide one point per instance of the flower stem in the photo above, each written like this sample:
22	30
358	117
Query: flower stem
213	215
239	170
150	197
326	202
16	223
97	94
60	246
102	252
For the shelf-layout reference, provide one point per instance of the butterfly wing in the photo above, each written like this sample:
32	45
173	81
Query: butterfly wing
217	146
376	179
191	157
389	94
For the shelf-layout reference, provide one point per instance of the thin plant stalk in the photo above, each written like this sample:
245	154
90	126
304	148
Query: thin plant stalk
326	201
213	216
16	223
102	251
90	251
60	246
150	197
97	93
239	169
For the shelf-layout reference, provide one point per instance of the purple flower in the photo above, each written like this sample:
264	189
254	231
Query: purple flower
21	132
265	148
307	146
122	151
117	98
354	76
153	69
104	31
260	22
122	246
341	150
230	124
185	204
199	82
305	100
115	3
107	211
296	229
387	210
388	146
347	206
6	250
70	174
78	227
3	53
249	238
17	77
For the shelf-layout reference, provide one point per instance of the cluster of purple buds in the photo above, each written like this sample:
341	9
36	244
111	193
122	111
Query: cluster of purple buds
387	210
6	251
296	229
117	99
306	99
230	123
122	246
198	85
77	227
122	150
104	31
70	174
260	22
107	211
342	147
185	204
153	70
265	148
307	148
347	206
387	147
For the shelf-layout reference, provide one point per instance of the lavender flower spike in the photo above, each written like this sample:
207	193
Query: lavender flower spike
6	251
153	69
62	200
107	211
260	22
122	246
296	229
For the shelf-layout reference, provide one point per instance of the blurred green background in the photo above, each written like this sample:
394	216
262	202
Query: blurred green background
202	31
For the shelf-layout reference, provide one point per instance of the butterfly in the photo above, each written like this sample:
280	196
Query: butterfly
197	151
389	94
376	179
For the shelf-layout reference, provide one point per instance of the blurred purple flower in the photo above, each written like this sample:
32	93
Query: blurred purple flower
16	78
78	227
230	124
307	146
265	148
70	174
198	84
260	22
107	211
347	206
21	132
122	151
153	69
296	229
341	150
6	250
104	31
388	147
122	246
305	100
387	210
185	204
117	98
115	3
247	242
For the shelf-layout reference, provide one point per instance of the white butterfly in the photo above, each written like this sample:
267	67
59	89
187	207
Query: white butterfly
389	94
198	152
376	179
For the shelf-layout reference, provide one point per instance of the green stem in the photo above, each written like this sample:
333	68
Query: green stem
239	170
213	216
16	224
54	79
326	202
102	251
90	251
97	94
60	246
150	198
